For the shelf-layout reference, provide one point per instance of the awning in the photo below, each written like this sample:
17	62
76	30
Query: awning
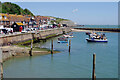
21	24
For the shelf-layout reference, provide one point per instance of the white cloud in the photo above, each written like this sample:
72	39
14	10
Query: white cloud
75	10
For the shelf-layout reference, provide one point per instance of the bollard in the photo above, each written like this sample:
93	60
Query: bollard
1	71
69	45
52	47
30	52
93	74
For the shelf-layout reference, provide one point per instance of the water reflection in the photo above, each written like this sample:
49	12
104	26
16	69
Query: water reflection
69	57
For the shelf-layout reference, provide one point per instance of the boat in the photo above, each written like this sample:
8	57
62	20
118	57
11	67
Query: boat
68	36
94	37
96	40
62	40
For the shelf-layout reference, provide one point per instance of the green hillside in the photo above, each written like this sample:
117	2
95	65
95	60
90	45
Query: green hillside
58	20
12	8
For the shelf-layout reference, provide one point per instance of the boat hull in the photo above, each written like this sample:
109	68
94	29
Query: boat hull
62	41
96	40
68	36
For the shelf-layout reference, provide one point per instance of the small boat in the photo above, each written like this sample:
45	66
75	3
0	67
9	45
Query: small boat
95	37
68	36
62	40
96	40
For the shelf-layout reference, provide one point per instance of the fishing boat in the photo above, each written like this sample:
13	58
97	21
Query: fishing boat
96	40
94	37
62	40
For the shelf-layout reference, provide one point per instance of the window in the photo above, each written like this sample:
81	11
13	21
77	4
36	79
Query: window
5	17
14	25
0	17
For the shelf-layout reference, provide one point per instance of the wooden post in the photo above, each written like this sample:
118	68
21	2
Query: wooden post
1	70
69	45
31	48
93	74
52	47
1	62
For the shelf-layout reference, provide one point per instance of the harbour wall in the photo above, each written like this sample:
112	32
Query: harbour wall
101	29
38	35
14	50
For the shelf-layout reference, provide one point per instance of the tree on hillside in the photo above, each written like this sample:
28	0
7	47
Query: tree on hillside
12	8
0	7
28	12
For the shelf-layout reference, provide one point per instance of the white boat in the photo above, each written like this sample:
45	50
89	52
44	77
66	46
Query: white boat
68	36
96	40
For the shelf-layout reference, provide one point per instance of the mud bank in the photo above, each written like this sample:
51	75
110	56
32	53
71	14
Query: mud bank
20	51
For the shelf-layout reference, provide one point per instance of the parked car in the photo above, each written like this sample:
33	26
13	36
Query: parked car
5	31
1	32
32	29
28	29
24	31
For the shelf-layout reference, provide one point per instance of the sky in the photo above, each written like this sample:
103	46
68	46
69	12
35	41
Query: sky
60	0
87	13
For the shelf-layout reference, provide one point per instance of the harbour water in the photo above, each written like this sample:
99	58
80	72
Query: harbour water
99	26
77	64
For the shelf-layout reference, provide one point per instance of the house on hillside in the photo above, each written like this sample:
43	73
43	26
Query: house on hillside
8	19
67	23
18	18
4	20
40	20
17	27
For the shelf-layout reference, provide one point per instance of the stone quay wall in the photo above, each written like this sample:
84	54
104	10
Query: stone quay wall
43	34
